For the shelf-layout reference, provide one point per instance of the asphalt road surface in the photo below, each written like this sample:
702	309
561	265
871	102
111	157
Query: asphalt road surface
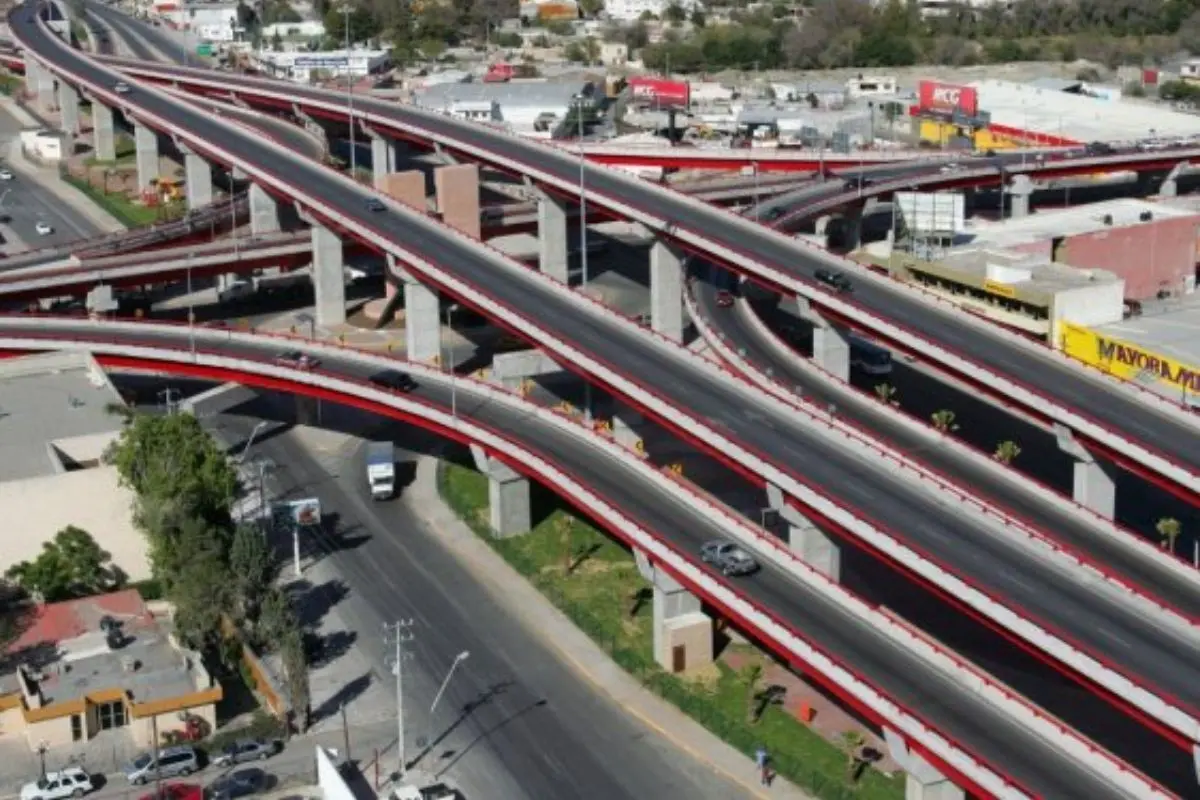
539	729
27	202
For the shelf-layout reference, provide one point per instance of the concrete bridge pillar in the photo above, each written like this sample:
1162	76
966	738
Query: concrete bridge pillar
1093	485
830	348
509	510
422	320
812	545
552	236
666	290
104	142
510	369
328	276
383	158
264	211
1019	192
146	140
197	179
68	104
683	633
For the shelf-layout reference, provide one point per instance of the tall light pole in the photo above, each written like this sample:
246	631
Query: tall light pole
350	99
458	659
583	250
401	634
449	358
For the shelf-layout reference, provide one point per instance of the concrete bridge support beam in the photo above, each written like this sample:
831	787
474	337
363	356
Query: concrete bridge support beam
68	104
422	320
197	179
146	140
923	780
510	369
1019	192
104	142
1094	485
552	236
264	211
328	276
383	158
830	348
807	541
683	633
40	82
1170	184
666	290
509	510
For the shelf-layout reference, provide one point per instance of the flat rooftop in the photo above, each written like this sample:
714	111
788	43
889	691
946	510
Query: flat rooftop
1046	277
53	409
68	652
1170	329
1044	225
1084	119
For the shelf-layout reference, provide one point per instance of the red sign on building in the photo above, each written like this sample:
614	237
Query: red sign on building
948	98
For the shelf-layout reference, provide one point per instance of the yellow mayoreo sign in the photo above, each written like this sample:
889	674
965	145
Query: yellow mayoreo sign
1126	360
1002	289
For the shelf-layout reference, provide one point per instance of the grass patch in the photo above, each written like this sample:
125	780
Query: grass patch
124	210
595	582
10	84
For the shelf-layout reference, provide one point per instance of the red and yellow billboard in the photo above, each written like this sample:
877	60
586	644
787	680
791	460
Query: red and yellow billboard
948	98
1127	360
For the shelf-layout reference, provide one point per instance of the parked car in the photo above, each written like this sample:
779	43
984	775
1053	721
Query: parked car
70	782
724	298
296	360
240	783
6	175
728	557
243	750
834	280
175	791
172	762
395	380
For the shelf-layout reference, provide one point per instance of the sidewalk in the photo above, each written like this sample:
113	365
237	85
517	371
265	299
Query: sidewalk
48	177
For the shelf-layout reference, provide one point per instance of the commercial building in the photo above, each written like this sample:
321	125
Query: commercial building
1152	247
632	10
212	22
102	663
308	67
55	424
531	108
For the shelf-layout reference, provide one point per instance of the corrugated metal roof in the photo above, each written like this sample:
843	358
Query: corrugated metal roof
547	94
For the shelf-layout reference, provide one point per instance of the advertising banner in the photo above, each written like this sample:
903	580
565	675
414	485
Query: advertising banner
1128	361
948	97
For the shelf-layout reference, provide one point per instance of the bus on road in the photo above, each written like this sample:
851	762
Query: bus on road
870	357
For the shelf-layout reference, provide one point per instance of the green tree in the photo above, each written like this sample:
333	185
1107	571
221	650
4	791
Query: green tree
752	676
172	459
251	569
363	25
699	18
886	393
71	565
275	619
198	585
674	13
295	670
943	420
1006	452
590	8
1169	529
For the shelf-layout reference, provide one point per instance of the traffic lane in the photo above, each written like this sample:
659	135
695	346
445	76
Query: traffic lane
1087	616
1176	439
564	748
28	203
953	709
1052	518
1082	615
174	51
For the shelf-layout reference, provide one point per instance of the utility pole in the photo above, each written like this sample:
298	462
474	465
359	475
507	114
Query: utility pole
400	634
169	399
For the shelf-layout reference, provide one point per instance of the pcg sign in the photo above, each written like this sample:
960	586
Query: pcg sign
948	97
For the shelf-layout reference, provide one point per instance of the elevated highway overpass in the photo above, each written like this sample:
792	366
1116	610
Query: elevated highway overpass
946	542
932	706
1142	431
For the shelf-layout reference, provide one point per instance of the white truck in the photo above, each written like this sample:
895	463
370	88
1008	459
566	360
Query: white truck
381	470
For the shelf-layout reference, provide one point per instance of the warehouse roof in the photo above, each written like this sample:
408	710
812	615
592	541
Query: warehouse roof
1032	107
548	94
1124	212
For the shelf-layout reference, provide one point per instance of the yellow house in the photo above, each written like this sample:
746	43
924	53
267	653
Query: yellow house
102	663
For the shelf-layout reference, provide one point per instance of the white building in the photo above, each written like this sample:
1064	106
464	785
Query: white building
212	22
531	108
632	10
305	29
304	67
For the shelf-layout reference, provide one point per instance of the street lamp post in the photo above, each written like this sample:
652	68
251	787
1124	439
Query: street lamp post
583	250
448	358
350	100
458	659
